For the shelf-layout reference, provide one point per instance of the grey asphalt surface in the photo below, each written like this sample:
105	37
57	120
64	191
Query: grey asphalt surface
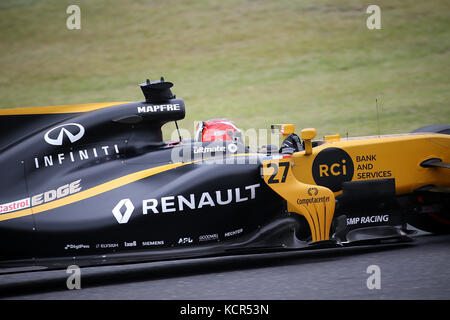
417	270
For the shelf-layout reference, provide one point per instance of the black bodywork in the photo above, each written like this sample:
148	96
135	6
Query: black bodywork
209	207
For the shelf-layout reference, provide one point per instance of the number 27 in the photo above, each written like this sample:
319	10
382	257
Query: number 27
275	172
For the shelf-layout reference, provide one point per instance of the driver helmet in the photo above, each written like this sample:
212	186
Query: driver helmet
217	130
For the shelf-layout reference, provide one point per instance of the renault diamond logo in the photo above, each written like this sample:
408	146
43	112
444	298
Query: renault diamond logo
73	131
123	218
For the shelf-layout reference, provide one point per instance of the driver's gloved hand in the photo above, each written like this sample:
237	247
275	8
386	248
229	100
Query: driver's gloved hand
291	144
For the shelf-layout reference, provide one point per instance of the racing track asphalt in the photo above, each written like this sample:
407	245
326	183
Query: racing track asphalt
417	270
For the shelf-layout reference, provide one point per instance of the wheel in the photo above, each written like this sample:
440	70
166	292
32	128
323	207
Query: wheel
433	212
435	128
435	217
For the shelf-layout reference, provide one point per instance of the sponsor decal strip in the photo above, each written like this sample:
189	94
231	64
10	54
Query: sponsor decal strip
105	187
14	205
159	107
41	198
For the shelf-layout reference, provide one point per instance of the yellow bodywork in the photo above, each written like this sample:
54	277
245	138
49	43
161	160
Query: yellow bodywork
313	202
339	160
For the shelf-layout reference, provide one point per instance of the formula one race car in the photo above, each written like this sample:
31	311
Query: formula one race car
96	184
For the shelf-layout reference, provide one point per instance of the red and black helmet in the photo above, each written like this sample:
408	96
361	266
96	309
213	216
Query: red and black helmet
217	130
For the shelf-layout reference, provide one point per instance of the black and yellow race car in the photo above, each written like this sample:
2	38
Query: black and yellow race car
96	184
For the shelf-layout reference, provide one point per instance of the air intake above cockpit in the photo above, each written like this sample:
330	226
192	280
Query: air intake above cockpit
157	91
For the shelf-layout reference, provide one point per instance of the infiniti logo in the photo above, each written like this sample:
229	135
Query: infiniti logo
73	131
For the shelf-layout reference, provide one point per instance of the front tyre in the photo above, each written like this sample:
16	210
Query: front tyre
432	212
433	207
435	128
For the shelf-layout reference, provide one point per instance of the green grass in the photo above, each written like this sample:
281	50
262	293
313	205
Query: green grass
256	62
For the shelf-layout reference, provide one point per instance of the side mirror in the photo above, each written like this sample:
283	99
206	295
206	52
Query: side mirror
307	135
